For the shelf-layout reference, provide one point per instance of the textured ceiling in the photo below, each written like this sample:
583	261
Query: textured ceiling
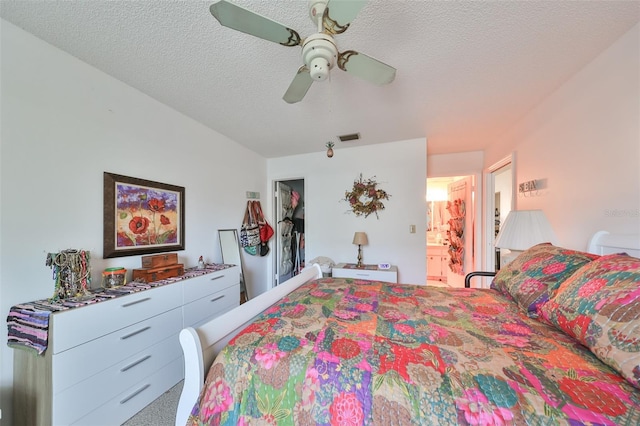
466	70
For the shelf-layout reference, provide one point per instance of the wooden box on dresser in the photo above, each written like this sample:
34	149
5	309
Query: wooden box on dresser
107	361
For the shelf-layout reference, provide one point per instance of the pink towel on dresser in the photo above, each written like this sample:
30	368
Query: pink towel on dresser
29	326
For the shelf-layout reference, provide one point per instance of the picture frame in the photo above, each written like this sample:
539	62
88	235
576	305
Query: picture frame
141	216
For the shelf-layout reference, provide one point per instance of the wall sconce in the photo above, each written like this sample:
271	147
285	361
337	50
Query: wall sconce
360	238
330	146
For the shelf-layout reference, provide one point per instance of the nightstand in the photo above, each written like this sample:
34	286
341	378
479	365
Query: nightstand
367	272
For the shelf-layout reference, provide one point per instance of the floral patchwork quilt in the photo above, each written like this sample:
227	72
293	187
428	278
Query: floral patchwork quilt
351	352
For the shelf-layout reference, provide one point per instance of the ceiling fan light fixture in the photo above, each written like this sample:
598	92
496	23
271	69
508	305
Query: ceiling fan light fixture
319	50
319	69
319	54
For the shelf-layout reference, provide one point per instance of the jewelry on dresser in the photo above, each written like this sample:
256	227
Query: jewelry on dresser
71	273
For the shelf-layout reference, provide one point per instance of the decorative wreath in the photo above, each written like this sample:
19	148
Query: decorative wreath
365	198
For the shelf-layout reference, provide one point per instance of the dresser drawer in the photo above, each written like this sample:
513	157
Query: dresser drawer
385	275
121	408
76	326
198	287
80	362
211	305
77	401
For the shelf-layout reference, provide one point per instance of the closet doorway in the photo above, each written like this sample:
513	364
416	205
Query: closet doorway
451	212
289	240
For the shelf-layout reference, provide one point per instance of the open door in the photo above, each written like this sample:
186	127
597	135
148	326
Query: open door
289	229
284	233
461	233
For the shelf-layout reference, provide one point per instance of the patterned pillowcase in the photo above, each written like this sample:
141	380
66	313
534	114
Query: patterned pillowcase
531	278
600	307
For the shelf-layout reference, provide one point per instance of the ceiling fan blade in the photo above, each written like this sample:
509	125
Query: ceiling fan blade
339	14
299	86
241	19
366	67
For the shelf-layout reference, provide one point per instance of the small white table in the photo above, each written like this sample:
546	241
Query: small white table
368	272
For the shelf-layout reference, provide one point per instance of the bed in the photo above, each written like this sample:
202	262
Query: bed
556	340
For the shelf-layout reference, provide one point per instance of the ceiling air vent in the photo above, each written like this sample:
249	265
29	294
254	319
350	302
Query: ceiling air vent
349	137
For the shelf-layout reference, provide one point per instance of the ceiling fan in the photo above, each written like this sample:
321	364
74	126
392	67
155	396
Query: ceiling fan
319	50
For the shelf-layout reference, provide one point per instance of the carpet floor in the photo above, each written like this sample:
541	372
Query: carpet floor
161	412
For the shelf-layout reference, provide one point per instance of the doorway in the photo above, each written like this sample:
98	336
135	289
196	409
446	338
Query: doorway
289	241
500	201
451	212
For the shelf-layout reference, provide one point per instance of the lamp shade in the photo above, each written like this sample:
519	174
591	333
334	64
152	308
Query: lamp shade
360	238
523	229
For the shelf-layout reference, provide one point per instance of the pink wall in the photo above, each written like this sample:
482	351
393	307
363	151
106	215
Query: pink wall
583	142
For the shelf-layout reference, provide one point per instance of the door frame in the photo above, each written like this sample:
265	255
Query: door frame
272	269
489	261
478	202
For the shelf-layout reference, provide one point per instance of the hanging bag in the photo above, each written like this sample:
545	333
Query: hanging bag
250	230
266	231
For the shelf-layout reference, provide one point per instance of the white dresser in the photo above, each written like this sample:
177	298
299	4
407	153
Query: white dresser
344	270
107	361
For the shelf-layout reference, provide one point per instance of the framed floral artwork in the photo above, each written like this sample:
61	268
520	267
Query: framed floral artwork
141	216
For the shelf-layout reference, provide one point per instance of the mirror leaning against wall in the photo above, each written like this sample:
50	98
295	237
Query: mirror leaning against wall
230	249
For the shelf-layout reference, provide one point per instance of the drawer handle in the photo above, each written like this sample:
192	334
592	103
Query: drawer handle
124	401
217	298
134	363
126	305
362	275
134	333
217	278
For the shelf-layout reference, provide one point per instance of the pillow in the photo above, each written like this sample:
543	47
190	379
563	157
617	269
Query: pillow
600	307
532	277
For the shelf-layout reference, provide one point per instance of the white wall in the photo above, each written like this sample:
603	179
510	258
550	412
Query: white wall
457	164
63	124
399	168
584	142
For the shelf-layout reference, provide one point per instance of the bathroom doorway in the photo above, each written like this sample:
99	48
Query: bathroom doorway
450	229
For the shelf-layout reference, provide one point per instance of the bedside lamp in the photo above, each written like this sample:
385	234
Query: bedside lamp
360	238
523	229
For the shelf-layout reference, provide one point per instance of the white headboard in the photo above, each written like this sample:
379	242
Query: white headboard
604	242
